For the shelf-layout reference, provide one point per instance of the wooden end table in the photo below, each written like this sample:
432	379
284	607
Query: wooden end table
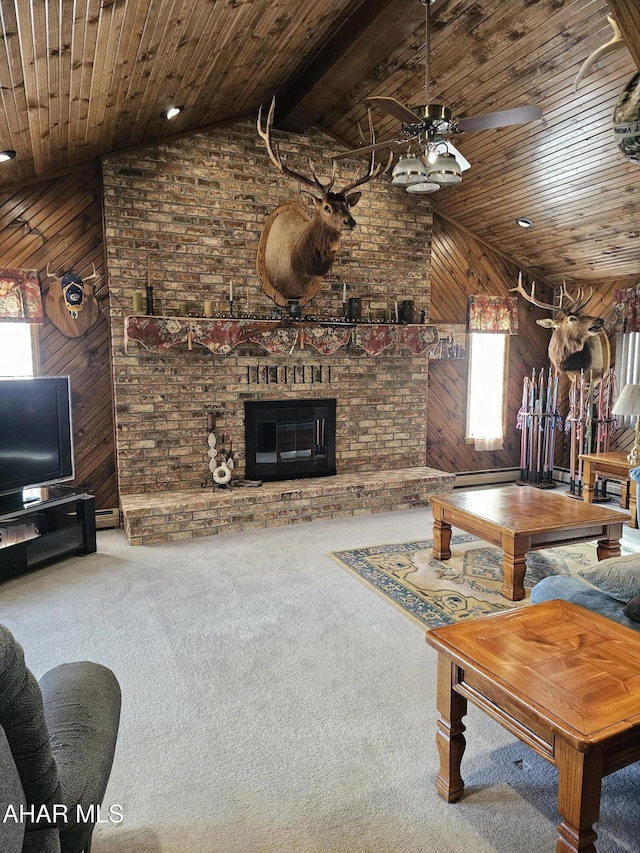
520	519
613	465
564	681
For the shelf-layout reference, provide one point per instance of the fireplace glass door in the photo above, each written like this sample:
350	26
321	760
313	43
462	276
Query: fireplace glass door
287	439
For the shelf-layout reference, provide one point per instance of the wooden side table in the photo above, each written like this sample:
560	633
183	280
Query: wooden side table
616	466
564	681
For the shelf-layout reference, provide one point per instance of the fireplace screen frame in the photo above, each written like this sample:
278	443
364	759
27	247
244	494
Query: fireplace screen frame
290	439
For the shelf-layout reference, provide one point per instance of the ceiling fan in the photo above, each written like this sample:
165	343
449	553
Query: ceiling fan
430	159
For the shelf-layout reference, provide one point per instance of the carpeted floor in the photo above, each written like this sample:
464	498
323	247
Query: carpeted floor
434	592
274	704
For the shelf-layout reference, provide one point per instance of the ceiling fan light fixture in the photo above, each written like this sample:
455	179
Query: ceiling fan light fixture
445	169
171	112
408	170
7	154
525	222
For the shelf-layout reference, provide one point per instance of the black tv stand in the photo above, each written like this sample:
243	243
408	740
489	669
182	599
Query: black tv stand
55	522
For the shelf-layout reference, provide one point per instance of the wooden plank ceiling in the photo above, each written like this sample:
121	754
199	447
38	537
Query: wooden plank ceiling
80	80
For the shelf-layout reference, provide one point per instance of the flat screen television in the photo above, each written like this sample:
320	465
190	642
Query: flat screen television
36	441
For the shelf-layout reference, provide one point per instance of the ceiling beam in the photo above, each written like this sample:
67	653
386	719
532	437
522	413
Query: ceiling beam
374	29
628	19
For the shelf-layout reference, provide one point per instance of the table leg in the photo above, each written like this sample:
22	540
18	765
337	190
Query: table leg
579	786
449	738
514	566
610	547
589	478
441	539
633	506
624	494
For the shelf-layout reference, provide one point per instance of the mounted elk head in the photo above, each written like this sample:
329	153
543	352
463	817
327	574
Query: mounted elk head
296	250
576	343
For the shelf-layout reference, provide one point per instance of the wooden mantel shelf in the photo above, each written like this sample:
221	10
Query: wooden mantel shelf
279	337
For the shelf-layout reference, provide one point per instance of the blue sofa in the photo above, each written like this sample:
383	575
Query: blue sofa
610	587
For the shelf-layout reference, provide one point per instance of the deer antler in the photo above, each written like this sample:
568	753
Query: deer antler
279	162
603	50
531	297
94	274
50	274
373	171
578	302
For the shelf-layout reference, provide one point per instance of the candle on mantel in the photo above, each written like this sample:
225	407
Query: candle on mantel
230	291
396	305
137	301
344	293
208	309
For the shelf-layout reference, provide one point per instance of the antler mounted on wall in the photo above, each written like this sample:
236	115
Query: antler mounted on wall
616	42
578	341
296	250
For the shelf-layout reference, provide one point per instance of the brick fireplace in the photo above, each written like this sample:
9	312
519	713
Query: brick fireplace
185	216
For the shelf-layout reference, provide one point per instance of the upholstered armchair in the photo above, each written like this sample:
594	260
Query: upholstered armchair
57	740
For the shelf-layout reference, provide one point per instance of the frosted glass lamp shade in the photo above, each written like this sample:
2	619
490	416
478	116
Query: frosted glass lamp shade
445	169
423	187
408	170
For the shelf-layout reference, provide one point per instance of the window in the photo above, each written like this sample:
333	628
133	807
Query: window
18	349
627	369
486	403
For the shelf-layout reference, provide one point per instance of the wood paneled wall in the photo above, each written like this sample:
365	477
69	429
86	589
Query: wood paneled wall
600	305
461	266
59	222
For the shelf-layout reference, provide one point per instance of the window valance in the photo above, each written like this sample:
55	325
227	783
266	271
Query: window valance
626	310
20	297
493	314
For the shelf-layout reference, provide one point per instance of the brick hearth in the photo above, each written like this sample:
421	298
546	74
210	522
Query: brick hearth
168	516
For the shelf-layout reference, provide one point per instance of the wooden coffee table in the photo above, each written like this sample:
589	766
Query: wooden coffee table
520	519
564	681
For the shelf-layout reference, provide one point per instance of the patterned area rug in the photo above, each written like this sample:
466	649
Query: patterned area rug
435	593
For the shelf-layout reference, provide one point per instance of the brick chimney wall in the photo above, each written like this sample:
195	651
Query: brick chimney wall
188	214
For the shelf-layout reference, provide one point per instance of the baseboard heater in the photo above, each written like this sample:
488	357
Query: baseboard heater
495	476
106	518
499	476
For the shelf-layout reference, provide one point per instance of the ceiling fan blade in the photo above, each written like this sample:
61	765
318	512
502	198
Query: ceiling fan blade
462	160
379	146
518	115
396	109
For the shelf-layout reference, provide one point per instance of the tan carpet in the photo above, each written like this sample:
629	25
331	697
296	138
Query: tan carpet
273	704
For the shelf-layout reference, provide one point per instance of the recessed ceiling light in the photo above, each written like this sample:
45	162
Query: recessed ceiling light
171	112
524	222
9	154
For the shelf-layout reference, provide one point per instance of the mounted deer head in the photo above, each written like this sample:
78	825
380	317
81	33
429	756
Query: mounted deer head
576	343
71	304
296	250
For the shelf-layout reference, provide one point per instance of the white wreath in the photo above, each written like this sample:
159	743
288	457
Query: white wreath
221	475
